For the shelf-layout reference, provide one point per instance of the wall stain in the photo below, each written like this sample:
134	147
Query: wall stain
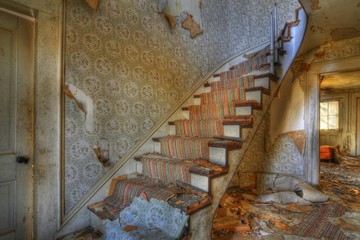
315	4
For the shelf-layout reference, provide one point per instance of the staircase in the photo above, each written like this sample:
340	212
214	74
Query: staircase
191	166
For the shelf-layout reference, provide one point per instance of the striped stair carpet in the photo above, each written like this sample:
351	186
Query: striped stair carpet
211	111
167	169
230	80
185	147
223	96
199	128
126	190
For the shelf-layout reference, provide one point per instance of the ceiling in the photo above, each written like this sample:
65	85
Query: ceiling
330	20
344	80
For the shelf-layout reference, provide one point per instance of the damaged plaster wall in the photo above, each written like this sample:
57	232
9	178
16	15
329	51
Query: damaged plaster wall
326	54
134	68
283	155
287	109
186	13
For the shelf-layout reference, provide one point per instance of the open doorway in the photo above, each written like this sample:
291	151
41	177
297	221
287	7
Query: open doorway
339	137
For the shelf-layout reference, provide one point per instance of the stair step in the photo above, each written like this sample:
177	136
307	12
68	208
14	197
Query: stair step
196	128
236	139
219	151
192	201
186	197
183	147
262	89
199	175
243	121
221	96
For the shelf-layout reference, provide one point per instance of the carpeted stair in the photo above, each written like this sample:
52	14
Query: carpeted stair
185	168
181	169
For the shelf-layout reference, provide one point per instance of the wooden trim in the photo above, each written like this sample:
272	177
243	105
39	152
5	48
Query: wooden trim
260	88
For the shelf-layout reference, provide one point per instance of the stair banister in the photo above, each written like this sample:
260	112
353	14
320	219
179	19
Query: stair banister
276	47
272	44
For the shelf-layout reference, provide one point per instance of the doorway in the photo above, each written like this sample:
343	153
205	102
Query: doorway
16	126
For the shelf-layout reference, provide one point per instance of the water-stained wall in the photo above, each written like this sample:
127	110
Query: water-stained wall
132	69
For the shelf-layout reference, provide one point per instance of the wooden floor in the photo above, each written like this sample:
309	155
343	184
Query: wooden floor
341	182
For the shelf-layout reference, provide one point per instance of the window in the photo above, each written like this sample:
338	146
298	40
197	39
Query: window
329	115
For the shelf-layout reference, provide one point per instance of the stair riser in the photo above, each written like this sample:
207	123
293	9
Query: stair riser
245	111
262	82
232	131
172	130
201	182
254	95
218	156
229	130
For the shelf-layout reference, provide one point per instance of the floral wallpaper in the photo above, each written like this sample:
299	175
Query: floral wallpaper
134	68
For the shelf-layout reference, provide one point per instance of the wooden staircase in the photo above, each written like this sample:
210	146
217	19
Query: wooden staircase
197	159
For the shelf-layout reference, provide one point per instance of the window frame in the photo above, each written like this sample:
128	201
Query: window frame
327	115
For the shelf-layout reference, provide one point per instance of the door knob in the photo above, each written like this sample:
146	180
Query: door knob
22	159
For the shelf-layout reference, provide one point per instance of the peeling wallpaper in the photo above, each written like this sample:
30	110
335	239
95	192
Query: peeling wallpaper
135	69
284	155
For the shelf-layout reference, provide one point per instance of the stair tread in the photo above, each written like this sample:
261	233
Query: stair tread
259	88
186	197
229	145
236	139
202	167
248	103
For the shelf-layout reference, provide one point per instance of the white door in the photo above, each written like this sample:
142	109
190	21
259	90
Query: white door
16	126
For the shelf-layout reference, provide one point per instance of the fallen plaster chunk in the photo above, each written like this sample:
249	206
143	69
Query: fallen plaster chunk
349	223
283	197
310	194
265	230
83	102
285	183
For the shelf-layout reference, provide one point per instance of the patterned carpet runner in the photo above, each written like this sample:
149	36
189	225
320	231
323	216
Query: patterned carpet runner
167	170
211	111
317	224
126	190
199	128
229	80
223	96
185	147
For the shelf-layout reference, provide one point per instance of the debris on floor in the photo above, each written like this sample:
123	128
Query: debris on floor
274	210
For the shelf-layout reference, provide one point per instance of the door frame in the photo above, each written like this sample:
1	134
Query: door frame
47	140
312	103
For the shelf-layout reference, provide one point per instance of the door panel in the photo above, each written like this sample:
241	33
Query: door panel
358	127
16	126
7	197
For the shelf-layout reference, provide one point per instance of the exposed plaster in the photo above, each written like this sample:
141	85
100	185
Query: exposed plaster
184	12
315	4
190	24
83	102
93	4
